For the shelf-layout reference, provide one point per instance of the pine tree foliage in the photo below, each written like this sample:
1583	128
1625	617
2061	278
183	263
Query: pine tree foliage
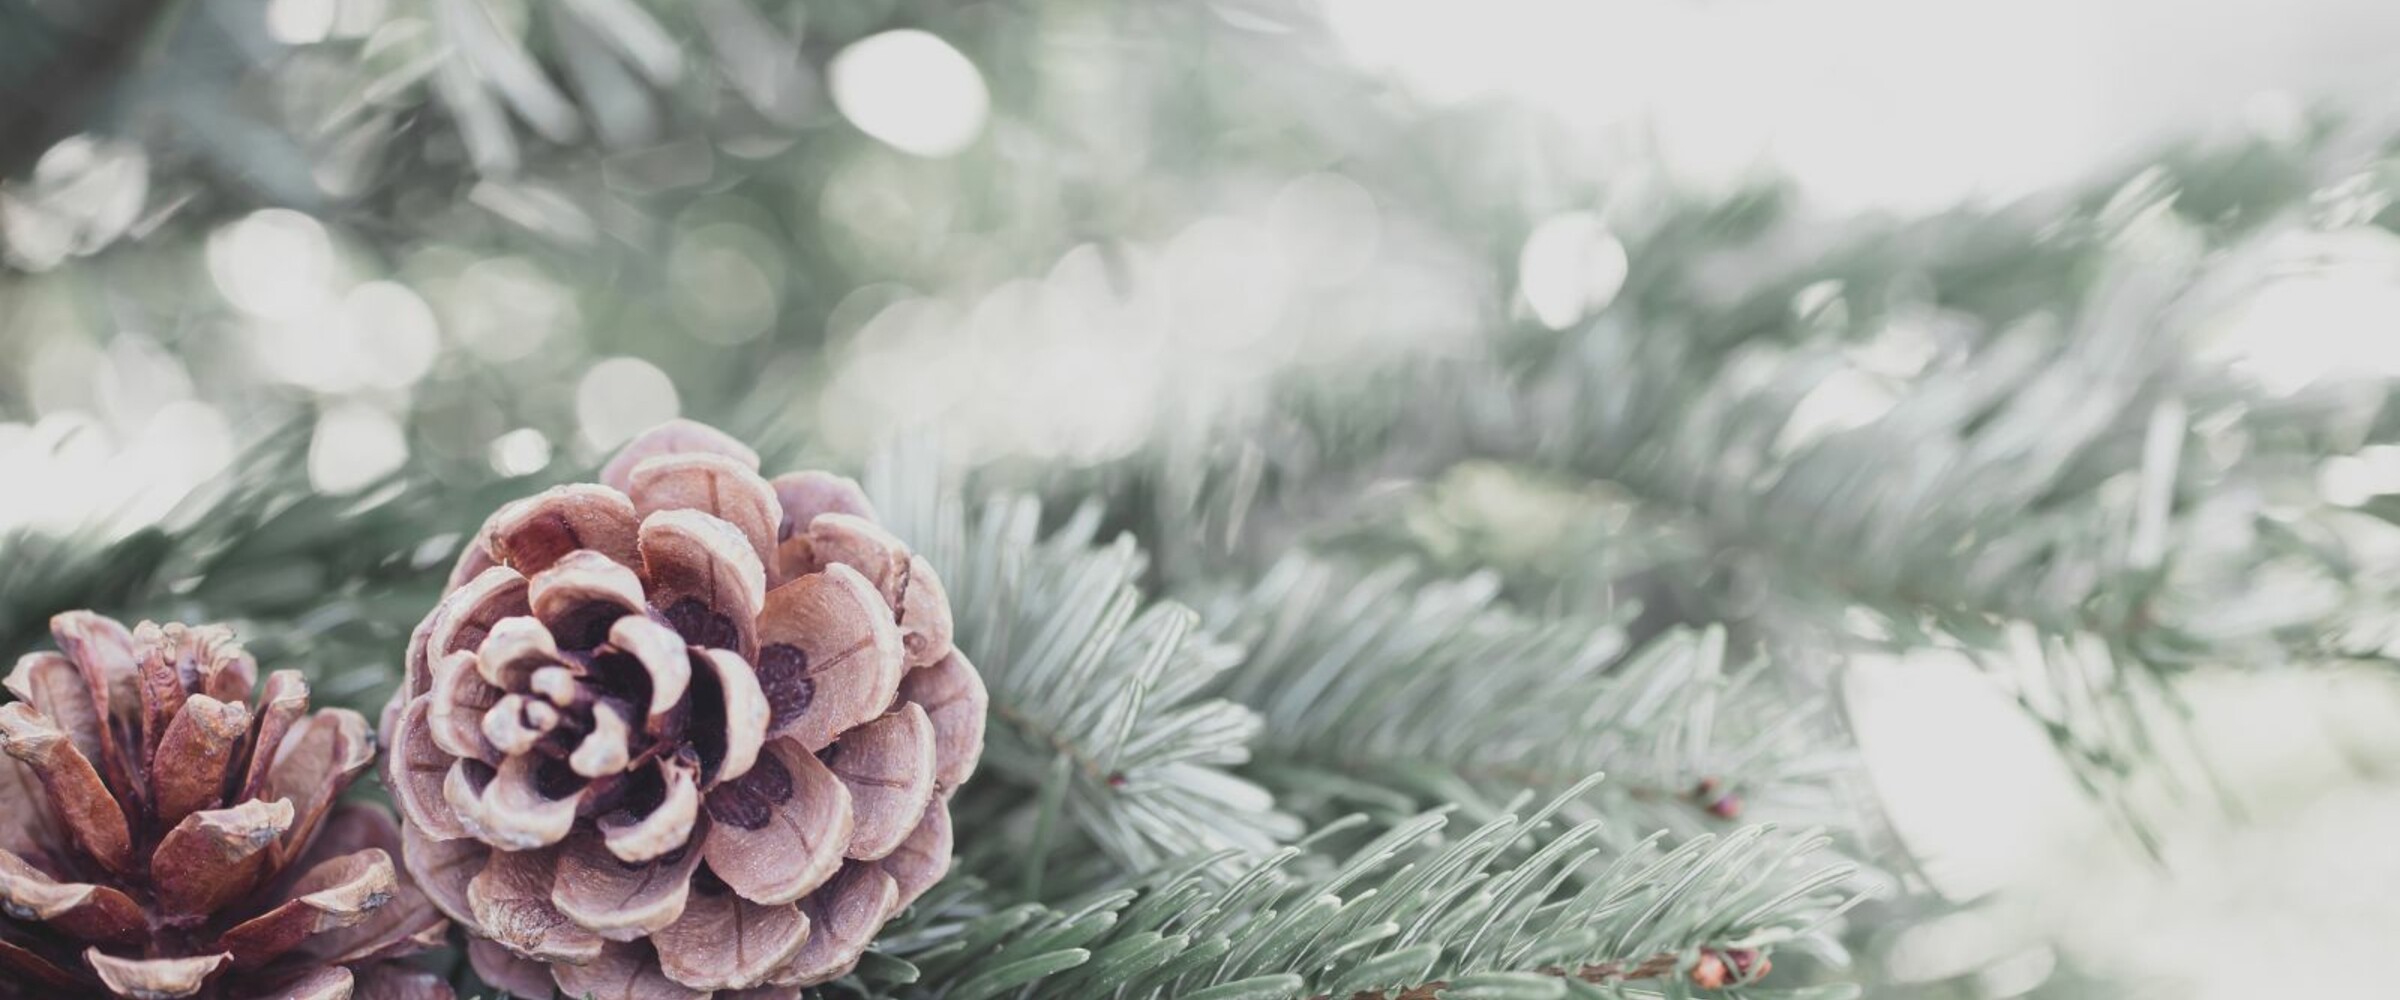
1994	461
1204	655
1084	670
1520	905
1383	681
1092	689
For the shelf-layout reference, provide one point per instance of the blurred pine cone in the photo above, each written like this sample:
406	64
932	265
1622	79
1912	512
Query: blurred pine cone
160	839
683	731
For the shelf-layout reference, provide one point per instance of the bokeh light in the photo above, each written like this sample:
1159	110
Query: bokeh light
1571	268
912	90
355	445
618	398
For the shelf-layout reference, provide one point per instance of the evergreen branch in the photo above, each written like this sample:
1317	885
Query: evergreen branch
1082	669
1519	898
1385	675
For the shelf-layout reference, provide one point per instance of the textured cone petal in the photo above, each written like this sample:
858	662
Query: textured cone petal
24	966
618	900
714	485
318	759
193	754
515	724
887	765
154	978
53	684
26	825
804	495
582	594
460	623
92	817
84	912
725	942
416	665
405	926
520	976
475	556
953	696
779	831
533	534
416	772
384	981
830	656
225	671
454	716
627	971
513	650
163	689
636	839
408	925
334	983
509	811
924	609
744	718
675	437
178	661
104	651
217	855
664	655
921	606
337	894
923	858
511	900
604	750
282	704
704	578
845	915
443	869
862	545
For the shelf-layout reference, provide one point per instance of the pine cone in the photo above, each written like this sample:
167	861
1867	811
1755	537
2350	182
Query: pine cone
681	732
159	838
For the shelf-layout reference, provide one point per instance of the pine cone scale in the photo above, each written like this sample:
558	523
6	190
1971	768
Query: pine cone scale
888	767
199	744
103	652
335	894
834	630
621	900
83	911
624	972
781	832
155	978
725	942
657	738
510	899
57	685
216	856
92	816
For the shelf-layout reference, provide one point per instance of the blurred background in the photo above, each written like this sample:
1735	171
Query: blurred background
2013	379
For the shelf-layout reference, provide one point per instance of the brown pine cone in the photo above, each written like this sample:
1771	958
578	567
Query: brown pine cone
159	838
683	732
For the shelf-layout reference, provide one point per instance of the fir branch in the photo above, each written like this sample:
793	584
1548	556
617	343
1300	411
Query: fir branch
1409	910
1082	669
1438	687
